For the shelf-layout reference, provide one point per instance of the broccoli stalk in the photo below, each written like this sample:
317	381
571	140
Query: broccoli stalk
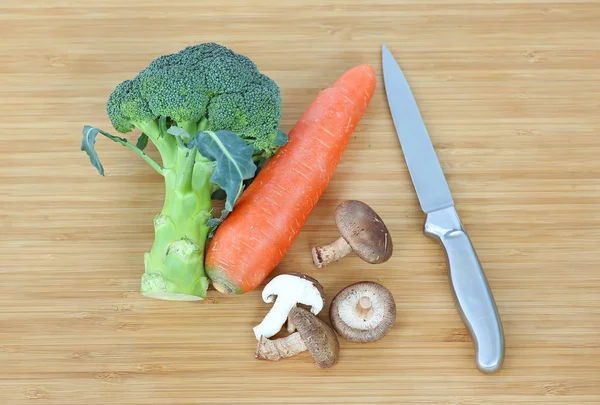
212	116
175	264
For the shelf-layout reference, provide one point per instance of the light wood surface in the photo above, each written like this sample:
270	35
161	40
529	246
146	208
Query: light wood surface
510	93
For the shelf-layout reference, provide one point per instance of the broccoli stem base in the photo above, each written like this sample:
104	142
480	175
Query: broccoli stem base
174	267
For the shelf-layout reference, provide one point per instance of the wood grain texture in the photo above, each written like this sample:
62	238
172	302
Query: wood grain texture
510	93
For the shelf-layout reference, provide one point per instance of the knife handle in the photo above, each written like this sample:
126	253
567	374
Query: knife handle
470	289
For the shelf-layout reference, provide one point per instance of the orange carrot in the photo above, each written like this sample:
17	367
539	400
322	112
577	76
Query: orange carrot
268	216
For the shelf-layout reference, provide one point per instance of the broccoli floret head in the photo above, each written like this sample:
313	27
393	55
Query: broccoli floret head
127	108
208	83
174	88
249	114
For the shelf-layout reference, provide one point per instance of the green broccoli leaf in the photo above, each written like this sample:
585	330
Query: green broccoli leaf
281	138
179	133
89	140
142	142
233	157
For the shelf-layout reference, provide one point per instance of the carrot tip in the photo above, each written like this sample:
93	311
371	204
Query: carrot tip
221	284
357	74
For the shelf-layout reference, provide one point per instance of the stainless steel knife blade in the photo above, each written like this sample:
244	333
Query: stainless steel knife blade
423	165
470	289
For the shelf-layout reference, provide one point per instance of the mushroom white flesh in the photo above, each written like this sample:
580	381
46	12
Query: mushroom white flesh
355	313
290	291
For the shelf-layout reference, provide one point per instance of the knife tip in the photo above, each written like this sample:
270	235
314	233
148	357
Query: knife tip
385	53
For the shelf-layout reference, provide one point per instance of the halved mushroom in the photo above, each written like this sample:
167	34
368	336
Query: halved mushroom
363	312
362	232
291	289
313	335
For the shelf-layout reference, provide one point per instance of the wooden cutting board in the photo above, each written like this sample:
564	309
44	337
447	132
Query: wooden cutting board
510	93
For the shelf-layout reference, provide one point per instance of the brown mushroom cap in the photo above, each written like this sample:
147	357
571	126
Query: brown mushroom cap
364	231
355	323
319	338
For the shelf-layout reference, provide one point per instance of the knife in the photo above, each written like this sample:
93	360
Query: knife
471	292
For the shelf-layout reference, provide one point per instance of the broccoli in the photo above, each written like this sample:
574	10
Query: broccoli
214	119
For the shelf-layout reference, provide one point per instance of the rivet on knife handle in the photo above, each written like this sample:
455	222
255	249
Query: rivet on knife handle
470	288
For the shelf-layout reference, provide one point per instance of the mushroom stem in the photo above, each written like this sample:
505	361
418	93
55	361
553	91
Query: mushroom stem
274	350
290	325
365	302
275	318
364	307
327	254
